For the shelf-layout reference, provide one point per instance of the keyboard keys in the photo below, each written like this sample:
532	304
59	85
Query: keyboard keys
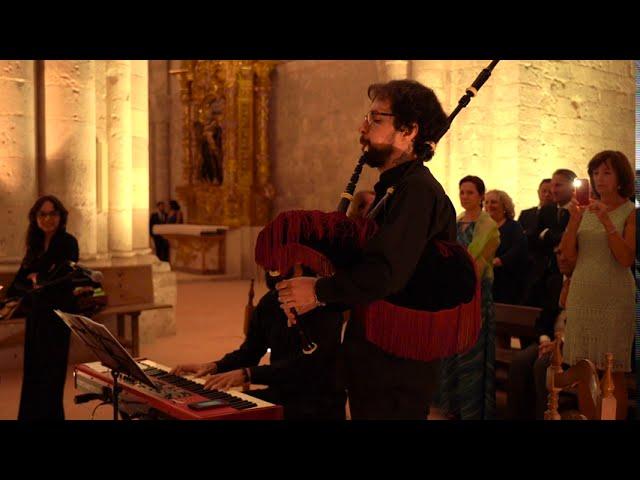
198	389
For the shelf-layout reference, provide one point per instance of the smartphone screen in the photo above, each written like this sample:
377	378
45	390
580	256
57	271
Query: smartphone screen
206	404
583	192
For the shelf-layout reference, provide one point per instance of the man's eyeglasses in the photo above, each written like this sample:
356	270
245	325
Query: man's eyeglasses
370	114
43	215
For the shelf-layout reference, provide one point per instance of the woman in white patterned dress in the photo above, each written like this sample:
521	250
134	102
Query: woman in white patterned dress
601	238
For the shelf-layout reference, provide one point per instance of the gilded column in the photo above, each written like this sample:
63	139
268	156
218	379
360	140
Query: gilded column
233	201
264	190
245	135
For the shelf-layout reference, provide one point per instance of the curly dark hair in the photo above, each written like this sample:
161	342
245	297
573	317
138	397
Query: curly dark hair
35	236
413	103
619	164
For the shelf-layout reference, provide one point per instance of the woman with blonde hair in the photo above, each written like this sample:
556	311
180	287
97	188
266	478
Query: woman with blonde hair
511	260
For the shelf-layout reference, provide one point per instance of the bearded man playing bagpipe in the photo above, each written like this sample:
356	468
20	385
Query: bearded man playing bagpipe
413	292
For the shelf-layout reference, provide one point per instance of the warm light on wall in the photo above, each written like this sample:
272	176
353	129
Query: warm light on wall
529	119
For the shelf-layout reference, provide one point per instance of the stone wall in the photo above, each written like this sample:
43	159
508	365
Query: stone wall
529	119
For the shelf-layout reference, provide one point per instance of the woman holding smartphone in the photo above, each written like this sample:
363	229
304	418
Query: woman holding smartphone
601	239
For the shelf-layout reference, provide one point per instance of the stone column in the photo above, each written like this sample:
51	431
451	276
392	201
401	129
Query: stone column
140	165
396	69
70	145
18	167
119	133
102	160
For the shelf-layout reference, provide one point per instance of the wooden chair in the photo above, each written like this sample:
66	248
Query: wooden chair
595	397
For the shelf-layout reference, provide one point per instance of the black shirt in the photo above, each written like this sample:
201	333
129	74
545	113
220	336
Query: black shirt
49	266
508	282
290	370
418	211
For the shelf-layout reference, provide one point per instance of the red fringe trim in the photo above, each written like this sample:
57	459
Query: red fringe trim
299	226
422	335
293	253
404	332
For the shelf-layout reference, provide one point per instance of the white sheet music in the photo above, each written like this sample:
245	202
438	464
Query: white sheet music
104	345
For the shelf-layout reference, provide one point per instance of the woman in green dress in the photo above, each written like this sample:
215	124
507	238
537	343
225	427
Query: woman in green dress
467	390
601	239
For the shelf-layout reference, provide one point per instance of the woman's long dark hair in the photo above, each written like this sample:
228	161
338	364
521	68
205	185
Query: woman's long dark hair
35	236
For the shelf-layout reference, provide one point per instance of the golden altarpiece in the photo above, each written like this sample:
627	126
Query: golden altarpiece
226	167
226	142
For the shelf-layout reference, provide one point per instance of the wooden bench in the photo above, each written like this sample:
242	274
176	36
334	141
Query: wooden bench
130	292
513	321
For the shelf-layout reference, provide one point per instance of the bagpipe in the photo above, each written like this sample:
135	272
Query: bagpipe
437	313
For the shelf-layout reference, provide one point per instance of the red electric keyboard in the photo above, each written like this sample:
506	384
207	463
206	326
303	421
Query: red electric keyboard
175	393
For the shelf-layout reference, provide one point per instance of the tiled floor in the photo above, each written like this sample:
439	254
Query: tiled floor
210	315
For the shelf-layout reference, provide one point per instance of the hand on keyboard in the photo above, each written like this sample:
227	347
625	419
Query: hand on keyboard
224	381
198	369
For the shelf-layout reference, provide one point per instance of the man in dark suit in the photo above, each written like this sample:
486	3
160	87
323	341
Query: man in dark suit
161	243
529	219
552	221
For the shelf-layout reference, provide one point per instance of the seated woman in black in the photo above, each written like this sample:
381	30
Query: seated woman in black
46	344
307	386
511	260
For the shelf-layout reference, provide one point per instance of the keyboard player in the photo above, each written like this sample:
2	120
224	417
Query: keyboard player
306	385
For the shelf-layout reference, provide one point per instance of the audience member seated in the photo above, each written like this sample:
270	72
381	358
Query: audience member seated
526	390
307	386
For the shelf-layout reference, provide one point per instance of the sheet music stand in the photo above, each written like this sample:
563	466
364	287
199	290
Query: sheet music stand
108	350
